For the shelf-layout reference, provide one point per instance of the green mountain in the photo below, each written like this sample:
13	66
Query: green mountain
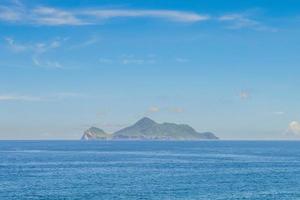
94	133
147	129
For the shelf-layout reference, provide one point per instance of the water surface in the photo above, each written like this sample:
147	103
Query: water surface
108	170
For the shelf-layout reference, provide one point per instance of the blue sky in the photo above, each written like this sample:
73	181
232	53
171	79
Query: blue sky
230	67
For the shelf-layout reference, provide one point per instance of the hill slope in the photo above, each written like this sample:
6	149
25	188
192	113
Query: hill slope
94	133
147	129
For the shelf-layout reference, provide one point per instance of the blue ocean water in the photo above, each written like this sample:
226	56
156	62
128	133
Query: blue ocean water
108	170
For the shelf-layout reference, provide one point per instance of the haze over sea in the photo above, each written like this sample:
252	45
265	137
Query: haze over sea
159	170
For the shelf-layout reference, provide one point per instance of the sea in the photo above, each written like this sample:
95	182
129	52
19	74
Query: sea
146	170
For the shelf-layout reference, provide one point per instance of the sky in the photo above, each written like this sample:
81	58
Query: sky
230	67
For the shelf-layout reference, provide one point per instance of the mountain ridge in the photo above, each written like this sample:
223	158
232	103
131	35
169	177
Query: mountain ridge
148	129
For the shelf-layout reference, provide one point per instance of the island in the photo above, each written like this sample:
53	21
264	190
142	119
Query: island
147	129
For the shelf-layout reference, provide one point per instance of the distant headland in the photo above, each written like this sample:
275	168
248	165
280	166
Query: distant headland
147	129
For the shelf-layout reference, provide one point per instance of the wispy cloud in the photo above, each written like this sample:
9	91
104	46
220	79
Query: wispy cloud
105	60
11	11
17	3
37	49
53	16
48	97
63	95
173	15
244	95
182	60
242	21
46	63
131	59
50	16
238	21
176	110
10	15
91	41
278	113
172	110
16	12
33	47
9	97
126	59
14	46
153	109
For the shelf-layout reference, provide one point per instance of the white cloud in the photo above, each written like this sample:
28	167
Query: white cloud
63	95
278	113
34	47
172	15
244	95
46	63
182	60
293	129
156	109
9	14
131	59
16	12
50	16
55	44
37	49
126	61
91	41
36	61
17	3
53	64
53	16
14	46
105	60
153	109
240	21
176	110
48	97
8	97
